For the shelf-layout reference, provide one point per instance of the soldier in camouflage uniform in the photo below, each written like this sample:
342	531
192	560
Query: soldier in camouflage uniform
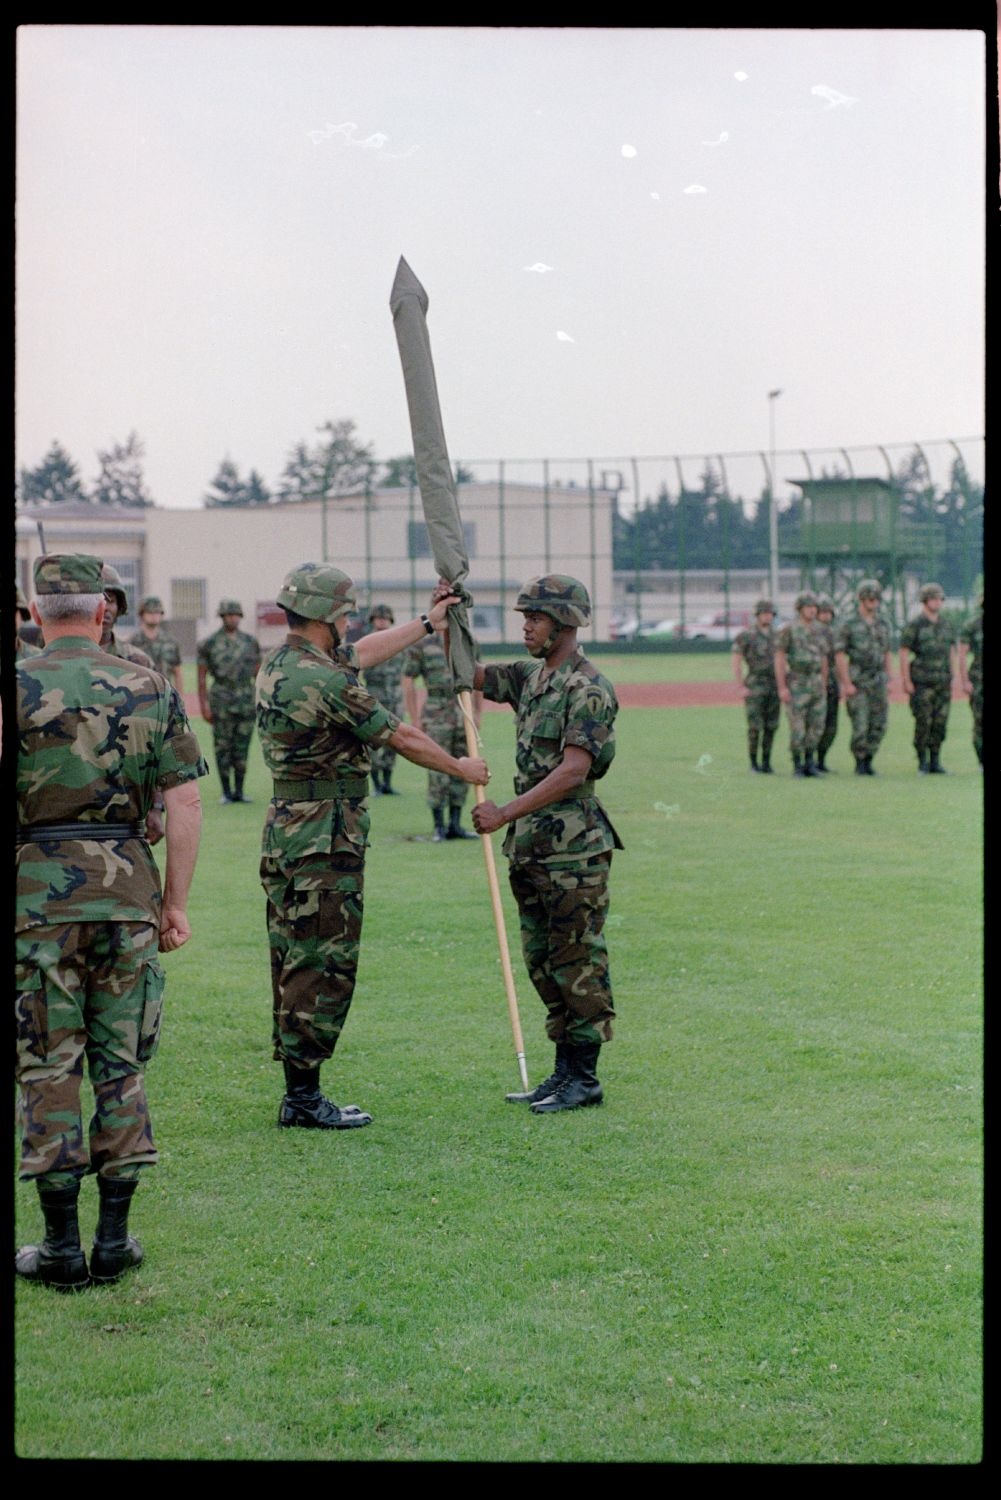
385	682
801	674
971	640
930	640
317	724
159	645
825	624
441	718
560	839
756	649
232	659
116	604
862	654
98	737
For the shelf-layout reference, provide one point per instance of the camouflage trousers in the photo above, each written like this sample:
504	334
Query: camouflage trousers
807	711
930	706
977	708
231	732
867	709
762	706
562	915
447	730
314	934
830	730
89	990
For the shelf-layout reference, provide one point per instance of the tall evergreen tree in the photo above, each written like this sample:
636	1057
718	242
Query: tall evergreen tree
337	465
120	480
55	481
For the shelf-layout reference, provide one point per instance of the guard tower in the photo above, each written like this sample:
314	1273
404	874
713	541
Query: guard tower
852	529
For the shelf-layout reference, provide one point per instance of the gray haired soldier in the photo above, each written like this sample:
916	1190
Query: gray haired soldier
560	840
971	643
756	649
928	662
865	667
98	737
385	682
231	658
825	624
317	724
440	717
158	643
801	674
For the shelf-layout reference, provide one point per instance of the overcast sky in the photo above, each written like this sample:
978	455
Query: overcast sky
628	238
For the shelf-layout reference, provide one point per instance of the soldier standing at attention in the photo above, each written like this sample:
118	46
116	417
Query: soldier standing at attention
560	840
865	667
928	661
232	659
116	604
162	648
825	624
756	649
971	640
801	674
385	682
97	738
317	724
441	718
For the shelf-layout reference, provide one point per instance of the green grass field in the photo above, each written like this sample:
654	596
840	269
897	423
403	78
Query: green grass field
764	1248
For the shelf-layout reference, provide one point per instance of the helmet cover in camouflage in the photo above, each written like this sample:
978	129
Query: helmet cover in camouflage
764	606
151	605
111	578
381	612
229	607
825	603
562	598
805	598
317	591
930	591
869	588
68	573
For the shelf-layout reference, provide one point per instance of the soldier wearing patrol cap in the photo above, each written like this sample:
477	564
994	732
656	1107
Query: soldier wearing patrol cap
385	682
317	725
929	659
559	840
825	624
231	658
99	737
755	648
865	667
158	643
801	674
971	644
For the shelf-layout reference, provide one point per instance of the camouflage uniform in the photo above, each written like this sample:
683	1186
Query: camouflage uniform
931	642
560	857
126	652
803	646
762	705
316	724
865	644
830	729
162	649
98	737
972	635
232	662
385	682
441	719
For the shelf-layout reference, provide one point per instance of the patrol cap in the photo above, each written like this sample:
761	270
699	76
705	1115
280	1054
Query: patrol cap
381	612
68	573
806	597
930	591
229	607
824	601
112	582
562	598
763	606
869	588
150	604
318	592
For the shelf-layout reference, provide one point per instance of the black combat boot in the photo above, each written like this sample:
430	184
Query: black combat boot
752	747
754	763
766	755
923	762
546	1087
115	1251
809	769
227	795
797	762
455	828
304	1104
935	766
376	782
59	1260
860	769
439	836
388	791
868	766
238	787
580	1086
824	770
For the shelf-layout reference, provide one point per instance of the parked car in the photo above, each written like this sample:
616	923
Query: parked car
622	627
722	626
657	630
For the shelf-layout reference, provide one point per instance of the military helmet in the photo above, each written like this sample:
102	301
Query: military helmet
806	597
318	592
824	601
930	591
869	588
764	605
381	612
562	598
229	607
111	579
151	603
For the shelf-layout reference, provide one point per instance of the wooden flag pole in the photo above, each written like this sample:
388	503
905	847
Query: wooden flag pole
465	702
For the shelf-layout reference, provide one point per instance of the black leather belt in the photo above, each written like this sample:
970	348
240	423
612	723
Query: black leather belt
44	833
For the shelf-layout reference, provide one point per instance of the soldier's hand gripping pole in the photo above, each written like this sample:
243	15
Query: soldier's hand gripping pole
465	703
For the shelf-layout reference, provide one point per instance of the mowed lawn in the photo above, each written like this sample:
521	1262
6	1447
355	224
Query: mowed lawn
765	1247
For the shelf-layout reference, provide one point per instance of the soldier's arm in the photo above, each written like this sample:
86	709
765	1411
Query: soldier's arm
203	693
965	686
413	744
571	773
382	644
177	678
738	663
183	807
905	670
844	681
780	675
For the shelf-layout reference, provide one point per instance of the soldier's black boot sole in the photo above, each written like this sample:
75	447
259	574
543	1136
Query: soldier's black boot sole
321	1114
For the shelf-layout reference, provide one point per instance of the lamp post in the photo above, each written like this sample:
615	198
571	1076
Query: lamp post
773	519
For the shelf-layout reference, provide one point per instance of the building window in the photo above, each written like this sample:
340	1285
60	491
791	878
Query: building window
488	617
187	599
419	542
